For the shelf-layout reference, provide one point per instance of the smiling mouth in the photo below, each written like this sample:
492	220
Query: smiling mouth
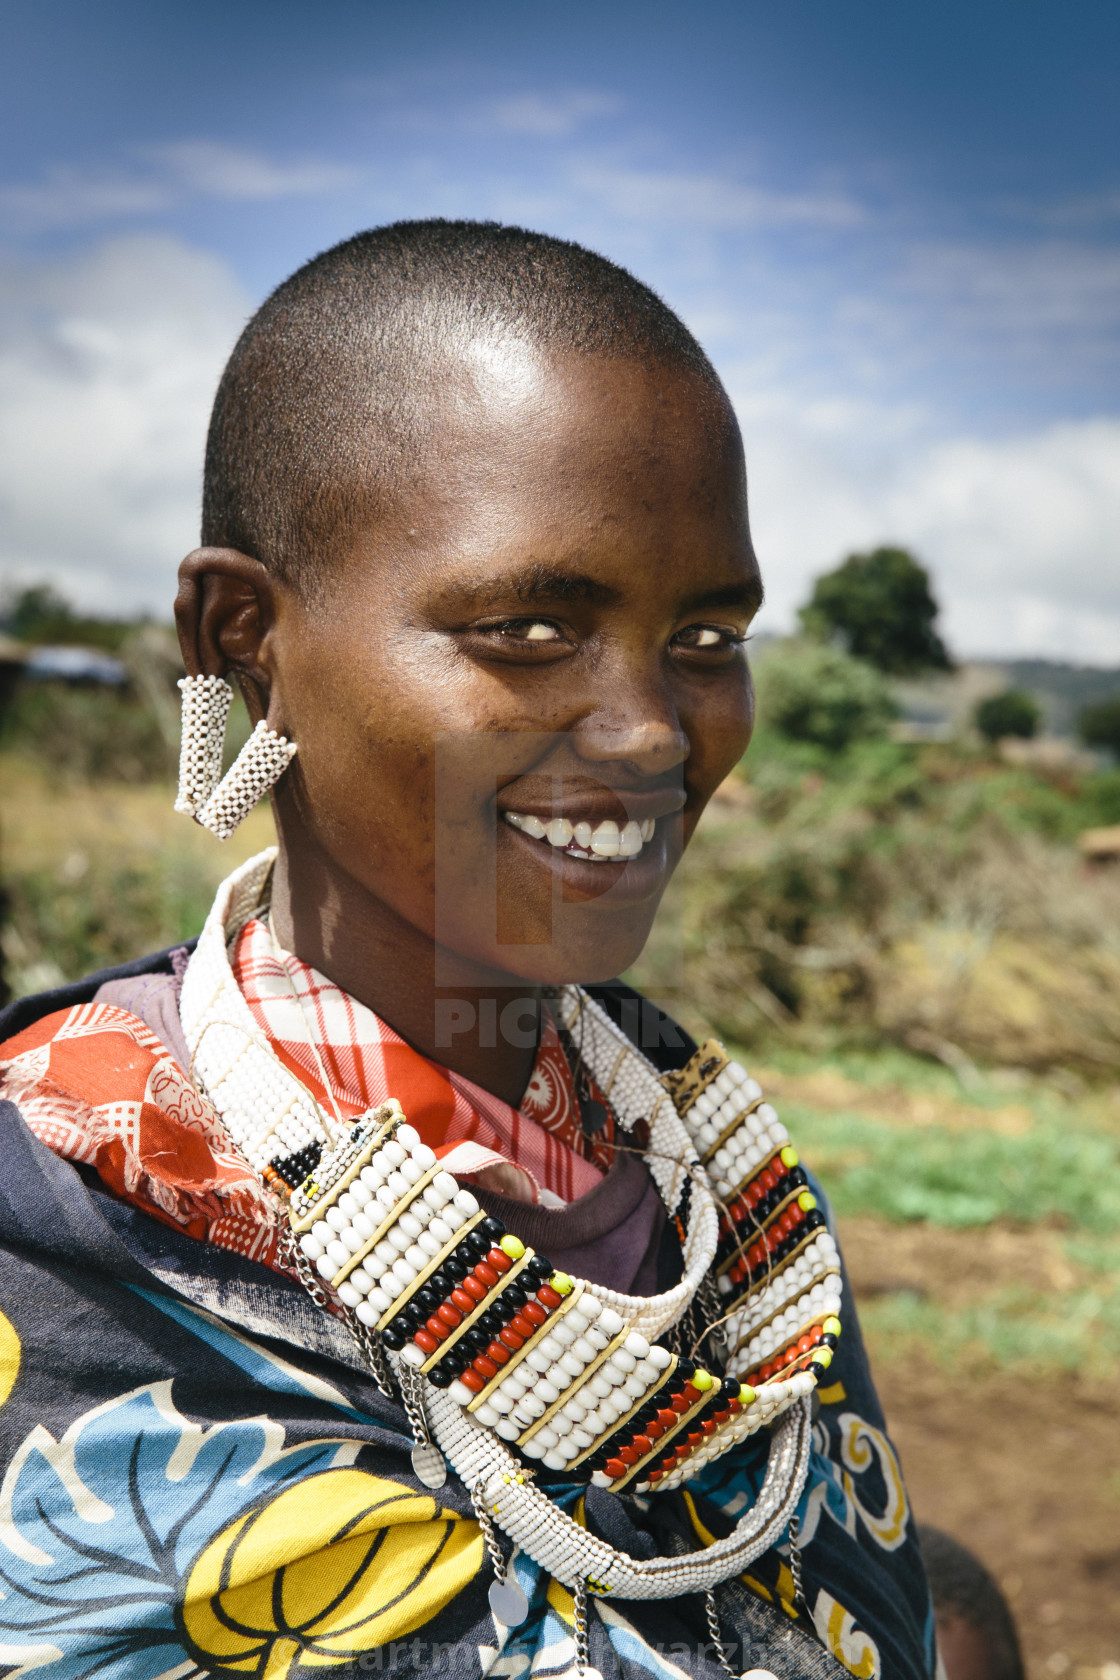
602	842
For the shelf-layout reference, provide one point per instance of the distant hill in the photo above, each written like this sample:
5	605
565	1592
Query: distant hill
1061	690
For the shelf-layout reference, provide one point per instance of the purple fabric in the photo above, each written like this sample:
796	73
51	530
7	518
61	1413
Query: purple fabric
155	999
610	1236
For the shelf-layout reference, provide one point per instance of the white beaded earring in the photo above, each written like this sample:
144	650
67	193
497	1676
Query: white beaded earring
221	805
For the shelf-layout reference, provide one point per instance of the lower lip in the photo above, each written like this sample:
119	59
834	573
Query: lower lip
626	879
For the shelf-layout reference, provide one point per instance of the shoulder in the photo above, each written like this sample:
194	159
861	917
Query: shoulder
655	1033
25	1011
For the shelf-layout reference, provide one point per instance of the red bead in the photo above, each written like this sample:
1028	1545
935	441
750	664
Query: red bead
655	1476
465	1303
615	1468
435	1327
804	1344
548	1296
679	1404
534	1312
766	1372
683	1451
655	1430
521	1324
766	1179
732	1406
471	1380
667	1417
724	1413
427	1343
485	1274
642	1445
628	1455
485	1367
500	1262
512	1340
498	1353
450	1315
709	1426
816	1333
476	1290
692	1395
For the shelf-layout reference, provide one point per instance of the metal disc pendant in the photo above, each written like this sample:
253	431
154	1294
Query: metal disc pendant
508	1602
429	1465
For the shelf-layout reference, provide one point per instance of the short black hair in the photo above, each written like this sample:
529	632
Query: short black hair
961	1586
327	398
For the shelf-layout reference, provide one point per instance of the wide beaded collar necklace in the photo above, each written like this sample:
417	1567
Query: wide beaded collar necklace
517	1374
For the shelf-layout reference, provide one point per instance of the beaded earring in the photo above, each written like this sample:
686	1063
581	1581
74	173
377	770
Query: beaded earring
221	803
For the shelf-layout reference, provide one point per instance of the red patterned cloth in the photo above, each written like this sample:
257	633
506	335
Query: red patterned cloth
98	1088
365	1062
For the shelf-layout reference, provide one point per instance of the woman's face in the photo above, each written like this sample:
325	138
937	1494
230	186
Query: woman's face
547	631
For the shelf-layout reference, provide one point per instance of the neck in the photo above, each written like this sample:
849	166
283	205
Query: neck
481	1022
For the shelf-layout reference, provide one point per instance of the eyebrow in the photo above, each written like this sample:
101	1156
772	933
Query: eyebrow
538	584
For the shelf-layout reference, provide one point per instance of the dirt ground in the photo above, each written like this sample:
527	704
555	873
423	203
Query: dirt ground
1026	1473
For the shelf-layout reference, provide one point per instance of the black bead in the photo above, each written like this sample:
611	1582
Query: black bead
491	1228
476	1244
829	1341
454	1268
540	1267
514	1296
393	1338
440	1376
427	1299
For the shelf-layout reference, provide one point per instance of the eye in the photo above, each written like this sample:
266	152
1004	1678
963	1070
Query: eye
526	630
708	638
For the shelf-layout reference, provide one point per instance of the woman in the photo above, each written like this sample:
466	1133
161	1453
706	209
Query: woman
388	1285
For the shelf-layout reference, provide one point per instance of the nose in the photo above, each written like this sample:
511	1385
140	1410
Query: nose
638	726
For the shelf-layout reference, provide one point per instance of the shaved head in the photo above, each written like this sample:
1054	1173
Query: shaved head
341	381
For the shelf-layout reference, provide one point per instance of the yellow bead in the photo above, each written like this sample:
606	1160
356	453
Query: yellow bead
513	1246
703	1380
823	1357
831	1326
789	1156
806	1201
561	1282
747	1394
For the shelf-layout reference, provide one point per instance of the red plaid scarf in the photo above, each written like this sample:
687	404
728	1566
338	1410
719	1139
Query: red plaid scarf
365	1062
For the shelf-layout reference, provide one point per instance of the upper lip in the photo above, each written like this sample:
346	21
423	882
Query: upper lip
594	804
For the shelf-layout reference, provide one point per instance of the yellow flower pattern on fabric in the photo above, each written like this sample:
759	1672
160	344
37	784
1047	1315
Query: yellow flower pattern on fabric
340	1563
10	1354
860	1444
842	1639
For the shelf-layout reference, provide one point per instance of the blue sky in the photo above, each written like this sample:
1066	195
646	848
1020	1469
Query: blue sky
895	227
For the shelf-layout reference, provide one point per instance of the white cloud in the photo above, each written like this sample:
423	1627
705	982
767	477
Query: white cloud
164	177
1022	534
108	366
549	116
676	199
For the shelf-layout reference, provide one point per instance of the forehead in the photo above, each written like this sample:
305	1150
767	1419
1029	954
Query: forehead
577	456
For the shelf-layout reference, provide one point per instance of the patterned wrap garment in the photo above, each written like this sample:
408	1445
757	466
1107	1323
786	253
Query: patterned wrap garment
200	1478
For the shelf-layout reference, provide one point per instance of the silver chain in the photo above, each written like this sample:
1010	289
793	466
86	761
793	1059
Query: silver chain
364	1340
412	1396
716	1635
486	1523
795	1564
582	1630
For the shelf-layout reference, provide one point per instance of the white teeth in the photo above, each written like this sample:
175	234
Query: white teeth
604	841
599	843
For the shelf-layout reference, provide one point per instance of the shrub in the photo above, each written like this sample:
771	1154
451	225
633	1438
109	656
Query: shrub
816	694
1099	725
880	607
1011	713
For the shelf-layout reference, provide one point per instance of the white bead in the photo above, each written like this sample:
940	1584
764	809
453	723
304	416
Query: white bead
311	1246
367	1313
428	1244
416	1257
380	1300
412	1355
507	1429
460	1393
439	1229
410	1172
337	1252
661	1357
550	1346
545	1391
573	1366
336	1219
466	1203
361	1280
547	1437
325	1267
409	1137
402	1270
360	1193
349	1295
424	1157
410	1225
398	1184
610	1322
554	1461
394	1152
599	1386
623	1361
435	1196
637	1345
447	1184
346	1204
351	1240
590	1306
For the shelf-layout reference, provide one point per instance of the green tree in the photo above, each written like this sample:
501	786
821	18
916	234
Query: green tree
1013	712
879	607
816	693
1099	724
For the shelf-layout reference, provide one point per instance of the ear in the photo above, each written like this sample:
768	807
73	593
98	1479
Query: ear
224	611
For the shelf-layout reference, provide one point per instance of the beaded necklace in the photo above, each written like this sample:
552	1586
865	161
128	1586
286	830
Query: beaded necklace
507	1367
